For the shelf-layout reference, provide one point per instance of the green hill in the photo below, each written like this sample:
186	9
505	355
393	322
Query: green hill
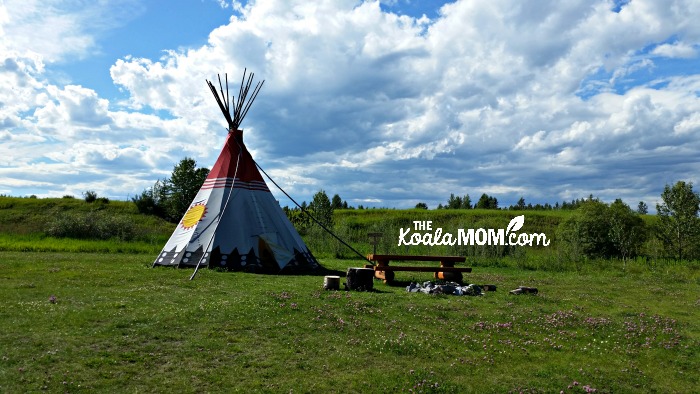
70	224
74	225
32	224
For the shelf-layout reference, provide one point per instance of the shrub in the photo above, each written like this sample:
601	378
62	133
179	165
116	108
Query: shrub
151	201
601	231
90	196
679	225
92	225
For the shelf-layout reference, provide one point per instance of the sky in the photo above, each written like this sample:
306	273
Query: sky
386	103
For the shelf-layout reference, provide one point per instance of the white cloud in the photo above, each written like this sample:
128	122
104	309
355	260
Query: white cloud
72	109
17	85
384	108
56	30
675	50
689	124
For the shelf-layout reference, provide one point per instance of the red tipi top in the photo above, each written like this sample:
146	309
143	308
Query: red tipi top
224	171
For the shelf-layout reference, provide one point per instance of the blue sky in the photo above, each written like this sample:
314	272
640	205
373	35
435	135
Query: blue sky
385	103
145	30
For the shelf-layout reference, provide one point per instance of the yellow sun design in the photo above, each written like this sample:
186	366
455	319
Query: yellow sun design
193	216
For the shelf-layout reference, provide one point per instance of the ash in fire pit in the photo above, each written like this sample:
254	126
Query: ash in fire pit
450	288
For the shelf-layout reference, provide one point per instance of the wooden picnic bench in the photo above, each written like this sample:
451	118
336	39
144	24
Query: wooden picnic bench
446	270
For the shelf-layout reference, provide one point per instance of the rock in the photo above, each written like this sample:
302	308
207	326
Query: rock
529	290
524	290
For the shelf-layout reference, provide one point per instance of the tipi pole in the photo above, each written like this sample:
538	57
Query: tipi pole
218	220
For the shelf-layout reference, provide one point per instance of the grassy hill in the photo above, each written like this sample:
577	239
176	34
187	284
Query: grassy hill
74	225
26	224
33	215
29	224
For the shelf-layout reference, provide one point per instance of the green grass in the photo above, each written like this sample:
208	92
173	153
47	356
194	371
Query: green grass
119	326
43	243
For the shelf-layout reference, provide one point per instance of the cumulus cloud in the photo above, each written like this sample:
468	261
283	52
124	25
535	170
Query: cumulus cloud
675	50
393	109
59	29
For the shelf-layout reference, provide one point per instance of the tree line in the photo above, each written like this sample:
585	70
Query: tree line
490	202
594	229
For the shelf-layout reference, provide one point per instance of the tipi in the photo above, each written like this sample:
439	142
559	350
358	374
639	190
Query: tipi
234	221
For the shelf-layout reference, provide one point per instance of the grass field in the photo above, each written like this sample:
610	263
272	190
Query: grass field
84	322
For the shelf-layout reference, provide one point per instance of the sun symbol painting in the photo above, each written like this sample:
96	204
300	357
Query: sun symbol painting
194	215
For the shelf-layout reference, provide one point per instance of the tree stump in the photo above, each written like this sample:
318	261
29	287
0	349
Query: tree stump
360	279
449	276
331	282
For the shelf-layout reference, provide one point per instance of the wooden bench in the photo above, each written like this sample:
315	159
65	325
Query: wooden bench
446	270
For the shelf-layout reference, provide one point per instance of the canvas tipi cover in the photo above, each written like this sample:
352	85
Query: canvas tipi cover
234	221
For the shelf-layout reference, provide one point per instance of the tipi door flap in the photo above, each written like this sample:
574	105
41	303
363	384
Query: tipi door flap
268	244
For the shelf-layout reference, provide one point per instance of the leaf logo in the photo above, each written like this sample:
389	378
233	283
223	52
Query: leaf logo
515	224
